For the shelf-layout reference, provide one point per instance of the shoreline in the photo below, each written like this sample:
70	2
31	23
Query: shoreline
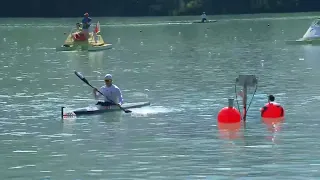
149	16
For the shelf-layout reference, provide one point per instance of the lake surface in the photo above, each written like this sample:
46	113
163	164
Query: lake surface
187	71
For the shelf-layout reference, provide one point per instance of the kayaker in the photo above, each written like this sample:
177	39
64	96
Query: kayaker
203	17
86	23
112	94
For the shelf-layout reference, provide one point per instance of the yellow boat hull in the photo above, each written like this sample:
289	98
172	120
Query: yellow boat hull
84	47
94	43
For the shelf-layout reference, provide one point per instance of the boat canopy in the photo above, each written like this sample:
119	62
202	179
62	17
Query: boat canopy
313	31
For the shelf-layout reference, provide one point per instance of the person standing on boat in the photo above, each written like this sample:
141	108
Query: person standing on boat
112	94
203	17
86	23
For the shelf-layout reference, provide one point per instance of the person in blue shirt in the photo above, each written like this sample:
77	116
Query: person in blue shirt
86	22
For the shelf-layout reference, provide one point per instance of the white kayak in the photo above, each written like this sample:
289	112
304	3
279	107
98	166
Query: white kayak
208	21
97	109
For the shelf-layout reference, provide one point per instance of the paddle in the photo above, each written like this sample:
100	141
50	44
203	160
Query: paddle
86	81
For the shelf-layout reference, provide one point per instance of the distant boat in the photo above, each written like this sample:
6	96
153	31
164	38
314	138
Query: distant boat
312	35
208	21
76	40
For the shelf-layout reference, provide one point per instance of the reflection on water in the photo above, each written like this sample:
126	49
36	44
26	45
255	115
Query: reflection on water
230	130
274	126
115	116
98	57
86	61
311	56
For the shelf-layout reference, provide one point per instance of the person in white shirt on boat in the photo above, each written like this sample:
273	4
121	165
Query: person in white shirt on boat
203	17
112	93
78	27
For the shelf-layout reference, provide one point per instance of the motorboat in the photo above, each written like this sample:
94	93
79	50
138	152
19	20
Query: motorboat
312	35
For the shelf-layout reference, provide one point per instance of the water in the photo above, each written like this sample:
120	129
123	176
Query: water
187	71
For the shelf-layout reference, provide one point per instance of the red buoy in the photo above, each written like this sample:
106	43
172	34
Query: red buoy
229	114
272	110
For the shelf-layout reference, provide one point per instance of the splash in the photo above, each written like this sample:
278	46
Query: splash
146	111
45	48
69	116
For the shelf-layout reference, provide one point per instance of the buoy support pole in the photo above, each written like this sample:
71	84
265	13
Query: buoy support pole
246	81
244	101
230	102
62	112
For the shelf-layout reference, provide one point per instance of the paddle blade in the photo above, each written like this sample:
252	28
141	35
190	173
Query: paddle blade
81	77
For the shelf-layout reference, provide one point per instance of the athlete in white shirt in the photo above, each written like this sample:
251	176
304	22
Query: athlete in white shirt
112	94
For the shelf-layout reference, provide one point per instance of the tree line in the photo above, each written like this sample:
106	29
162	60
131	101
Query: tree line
76	8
